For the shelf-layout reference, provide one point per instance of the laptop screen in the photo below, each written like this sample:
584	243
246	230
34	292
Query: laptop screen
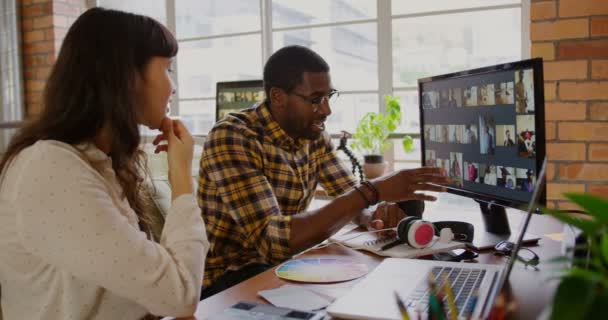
523	226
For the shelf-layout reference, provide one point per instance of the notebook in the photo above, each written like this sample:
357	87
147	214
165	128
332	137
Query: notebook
374	296
372	242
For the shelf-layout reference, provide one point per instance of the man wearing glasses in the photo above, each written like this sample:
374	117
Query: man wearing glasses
260	168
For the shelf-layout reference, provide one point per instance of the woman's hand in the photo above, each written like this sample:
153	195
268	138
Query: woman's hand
179	148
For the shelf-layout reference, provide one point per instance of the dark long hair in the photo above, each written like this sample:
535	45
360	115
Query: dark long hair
92	85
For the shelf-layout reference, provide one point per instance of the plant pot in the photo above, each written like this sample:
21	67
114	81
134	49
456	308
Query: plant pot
374	166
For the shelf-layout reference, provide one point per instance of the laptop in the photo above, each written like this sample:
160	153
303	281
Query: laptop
374	296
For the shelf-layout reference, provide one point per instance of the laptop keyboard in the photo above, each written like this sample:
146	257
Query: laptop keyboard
465	282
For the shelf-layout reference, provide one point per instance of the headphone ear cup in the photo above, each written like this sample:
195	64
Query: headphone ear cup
420	234
403	228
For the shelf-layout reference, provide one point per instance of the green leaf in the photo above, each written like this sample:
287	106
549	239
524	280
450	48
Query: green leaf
587	275
599	308
408	144
573	298
594	205
373	129
604	247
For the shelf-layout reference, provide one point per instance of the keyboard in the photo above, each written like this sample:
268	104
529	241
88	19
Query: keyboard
465	282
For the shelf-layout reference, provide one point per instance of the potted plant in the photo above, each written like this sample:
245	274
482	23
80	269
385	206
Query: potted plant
583	289
371	137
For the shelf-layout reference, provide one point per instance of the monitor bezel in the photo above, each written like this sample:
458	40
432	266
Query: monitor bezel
233	85
539	111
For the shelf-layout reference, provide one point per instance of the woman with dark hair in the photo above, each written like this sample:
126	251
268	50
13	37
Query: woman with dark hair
75	240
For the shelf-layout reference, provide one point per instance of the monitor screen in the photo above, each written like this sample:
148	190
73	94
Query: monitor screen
486	128
237	95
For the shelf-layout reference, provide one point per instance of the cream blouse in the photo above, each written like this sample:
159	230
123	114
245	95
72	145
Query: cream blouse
70	246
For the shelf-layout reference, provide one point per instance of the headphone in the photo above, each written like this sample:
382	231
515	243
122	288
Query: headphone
419	233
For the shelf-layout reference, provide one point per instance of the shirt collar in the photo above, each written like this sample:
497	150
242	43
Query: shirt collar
93	153
274	132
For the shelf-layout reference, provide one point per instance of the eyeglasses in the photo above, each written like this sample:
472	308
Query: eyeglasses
525	255
316	102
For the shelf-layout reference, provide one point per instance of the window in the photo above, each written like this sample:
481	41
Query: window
227	40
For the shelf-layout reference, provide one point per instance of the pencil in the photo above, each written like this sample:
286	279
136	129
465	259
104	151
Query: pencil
450	295
402	308
435	310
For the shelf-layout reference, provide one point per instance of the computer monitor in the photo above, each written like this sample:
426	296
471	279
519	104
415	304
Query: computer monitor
486	128
237	95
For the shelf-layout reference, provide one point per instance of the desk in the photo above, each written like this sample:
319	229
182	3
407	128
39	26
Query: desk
531	289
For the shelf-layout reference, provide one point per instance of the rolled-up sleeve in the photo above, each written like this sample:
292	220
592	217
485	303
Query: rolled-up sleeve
333	174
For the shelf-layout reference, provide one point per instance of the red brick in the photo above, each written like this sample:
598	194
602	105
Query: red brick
599	69
583	131
550	128
49	34
27	23
567	205
550	91
550	172
599	189
39	47
589	90
34	97
589	49
583	171
43	22
566	151
543	50
555	191
42	73
552	205
39	60
561	29
598	151
598	111
33	110
37	10
565	111
565	70
599	26
543	10
578	8
32	36
34	86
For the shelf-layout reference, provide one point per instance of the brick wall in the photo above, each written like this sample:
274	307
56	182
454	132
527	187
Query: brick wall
44	24
572	37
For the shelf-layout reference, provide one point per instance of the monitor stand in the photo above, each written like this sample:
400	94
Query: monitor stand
496	225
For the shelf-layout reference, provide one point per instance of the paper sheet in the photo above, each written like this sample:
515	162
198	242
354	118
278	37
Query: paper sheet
295	297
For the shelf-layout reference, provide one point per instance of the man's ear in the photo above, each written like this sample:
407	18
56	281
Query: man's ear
277	97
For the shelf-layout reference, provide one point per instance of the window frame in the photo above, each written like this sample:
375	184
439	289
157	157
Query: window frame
384	21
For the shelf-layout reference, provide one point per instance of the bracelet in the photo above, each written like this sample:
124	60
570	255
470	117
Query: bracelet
362	196
374	190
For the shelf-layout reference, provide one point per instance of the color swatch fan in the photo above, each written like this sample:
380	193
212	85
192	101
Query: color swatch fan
321	270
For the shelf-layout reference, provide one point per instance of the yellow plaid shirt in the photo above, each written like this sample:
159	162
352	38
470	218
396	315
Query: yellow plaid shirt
253	177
